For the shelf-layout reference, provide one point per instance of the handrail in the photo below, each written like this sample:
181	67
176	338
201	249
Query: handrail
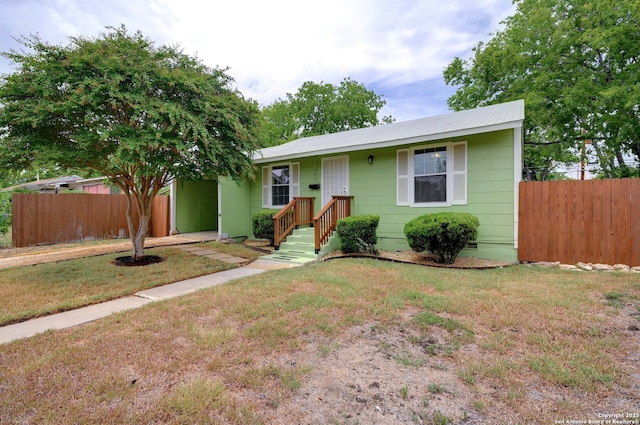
325	221
299	211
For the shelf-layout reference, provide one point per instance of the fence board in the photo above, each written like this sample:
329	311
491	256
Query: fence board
634	218
40	219
577	225
594	221
607	228
160	219
595	249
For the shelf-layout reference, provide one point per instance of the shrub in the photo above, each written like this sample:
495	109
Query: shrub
5	212
444	234
358	233
262	222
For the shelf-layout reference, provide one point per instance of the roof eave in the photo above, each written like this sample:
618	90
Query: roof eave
395	142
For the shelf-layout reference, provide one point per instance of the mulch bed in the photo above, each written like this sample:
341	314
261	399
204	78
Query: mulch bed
129	261
408	257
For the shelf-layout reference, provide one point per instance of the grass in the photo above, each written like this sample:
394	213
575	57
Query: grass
235	249
35	291
435	388
220	355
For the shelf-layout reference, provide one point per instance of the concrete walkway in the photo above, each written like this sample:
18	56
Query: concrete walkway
94	312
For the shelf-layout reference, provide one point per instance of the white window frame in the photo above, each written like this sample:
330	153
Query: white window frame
456	171
267	188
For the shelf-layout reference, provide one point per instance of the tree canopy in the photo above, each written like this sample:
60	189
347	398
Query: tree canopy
121	107
576	63
321	109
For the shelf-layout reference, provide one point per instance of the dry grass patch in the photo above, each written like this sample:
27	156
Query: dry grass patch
346	341
6	249
33	291
231	248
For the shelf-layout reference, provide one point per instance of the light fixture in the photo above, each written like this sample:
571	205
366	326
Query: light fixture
370	159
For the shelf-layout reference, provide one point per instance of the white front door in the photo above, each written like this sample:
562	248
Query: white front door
335	177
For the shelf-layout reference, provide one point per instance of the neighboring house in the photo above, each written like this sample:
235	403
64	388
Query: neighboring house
69	183
467	161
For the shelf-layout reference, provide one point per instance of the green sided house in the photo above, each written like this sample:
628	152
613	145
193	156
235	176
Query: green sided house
467	161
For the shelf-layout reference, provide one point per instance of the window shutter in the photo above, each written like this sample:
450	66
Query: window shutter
295	180
266	202
459	174
402	188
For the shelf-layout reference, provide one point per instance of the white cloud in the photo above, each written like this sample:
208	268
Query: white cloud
272	47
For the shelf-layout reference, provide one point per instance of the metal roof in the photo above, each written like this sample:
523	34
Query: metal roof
472	121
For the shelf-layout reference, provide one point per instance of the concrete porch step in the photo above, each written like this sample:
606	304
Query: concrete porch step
298	248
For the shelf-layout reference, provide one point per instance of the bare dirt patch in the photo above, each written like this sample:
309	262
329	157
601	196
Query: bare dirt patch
376	376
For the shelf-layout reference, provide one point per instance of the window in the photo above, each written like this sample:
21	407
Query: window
280	183
433	175
430	175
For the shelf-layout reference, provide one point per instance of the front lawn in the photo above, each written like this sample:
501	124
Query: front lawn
32	291
345	341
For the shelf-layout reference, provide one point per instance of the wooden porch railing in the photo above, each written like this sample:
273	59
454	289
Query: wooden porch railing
325	221
296	213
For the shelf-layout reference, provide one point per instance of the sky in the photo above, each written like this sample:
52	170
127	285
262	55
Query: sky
397	48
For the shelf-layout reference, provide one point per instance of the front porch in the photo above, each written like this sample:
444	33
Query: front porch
299	236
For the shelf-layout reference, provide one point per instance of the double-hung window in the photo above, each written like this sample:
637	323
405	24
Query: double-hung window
432	175
280	183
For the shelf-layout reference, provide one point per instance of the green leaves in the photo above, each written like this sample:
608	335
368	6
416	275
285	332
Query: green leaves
118	101
576	65
118	106
444	234
321	109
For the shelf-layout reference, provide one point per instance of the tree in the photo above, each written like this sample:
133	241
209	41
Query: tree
576	63
321	109
121	107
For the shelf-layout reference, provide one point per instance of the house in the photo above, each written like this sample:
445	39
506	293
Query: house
68	183
467	161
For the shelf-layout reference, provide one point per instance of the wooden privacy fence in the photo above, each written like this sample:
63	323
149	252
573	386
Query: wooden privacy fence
57	218
593	221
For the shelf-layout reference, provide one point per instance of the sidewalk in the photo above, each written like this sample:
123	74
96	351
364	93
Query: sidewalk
94	312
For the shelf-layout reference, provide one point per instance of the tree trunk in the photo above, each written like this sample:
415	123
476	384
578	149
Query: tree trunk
130	224
139	233
138	240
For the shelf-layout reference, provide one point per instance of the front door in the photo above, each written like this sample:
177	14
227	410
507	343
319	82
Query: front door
335	177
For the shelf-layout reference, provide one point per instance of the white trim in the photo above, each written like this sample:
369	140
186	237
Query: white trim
457	175
219	208
402	177
449	173
294	180
294	183
266	190
517	177
173	206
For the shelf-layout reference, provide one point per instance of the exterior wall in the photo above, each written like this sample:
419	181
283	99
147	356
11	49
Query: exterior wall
196	206
490	193
96	188
234	207
490	196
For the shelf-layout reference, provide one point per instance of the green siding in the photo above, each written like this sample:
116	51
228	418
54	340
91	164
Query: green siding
235	210
490	193
196	206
